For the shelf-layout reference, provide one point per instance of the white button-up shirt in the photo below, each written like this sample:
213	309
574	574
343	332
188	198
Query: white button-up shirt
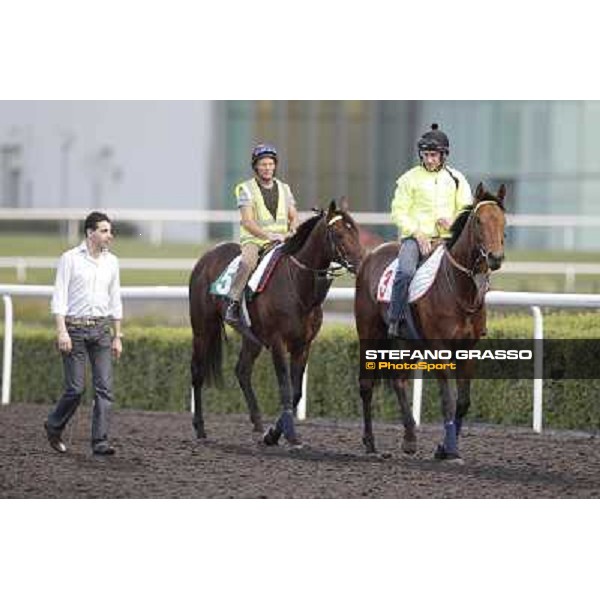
87	287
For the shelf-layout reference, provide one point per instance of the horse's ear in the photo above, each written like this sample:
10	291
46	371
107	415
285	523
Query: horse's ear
343	203
332	208
501	194
479	192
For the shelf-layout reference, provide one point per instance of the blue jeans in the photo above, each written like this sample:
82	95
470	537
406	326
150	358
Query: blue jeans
408	260
95	342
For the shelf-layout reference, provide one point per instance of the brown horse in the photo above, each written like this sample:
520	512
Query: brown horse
285	317
452	313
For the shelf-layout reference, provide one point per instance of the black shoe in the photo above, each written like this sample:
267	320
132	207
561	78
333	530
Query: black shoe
55	440
104	449
232	314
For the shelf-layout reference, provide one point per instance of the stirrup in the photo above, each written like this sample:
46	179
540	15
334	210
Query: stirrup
399	329
393	329
232	314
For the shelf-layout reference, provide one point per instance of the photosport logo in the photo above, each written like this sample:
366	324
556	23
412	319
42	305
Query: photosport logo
485	359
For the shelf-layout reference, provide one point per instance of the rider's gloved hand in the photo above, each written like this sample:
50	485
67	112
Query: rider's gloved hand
276	237
424	243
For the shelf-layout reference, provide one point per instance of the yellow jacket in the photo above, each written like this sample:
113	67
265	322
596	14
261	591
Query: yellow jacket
422	197
262	216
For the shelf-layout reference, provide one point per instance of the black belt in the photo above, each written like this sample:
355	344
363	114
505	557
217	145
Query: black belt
85	321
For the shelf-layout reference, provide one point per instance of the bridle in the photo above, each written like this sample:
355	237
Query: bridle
480	279
339	255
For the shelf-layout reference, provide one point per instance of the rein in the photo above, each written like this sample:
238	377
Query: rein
329	271
481	281
325	275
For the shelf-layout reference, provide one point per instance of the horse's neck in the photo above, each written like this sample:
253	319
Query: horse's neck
465	249
315	252
464	253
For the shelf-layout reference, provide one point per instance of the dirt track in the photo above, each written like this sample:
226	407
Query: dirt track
158	457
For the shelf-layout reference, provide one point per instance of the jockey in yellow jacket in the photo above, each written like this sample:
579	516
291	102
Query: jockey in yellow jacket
427	199
267	214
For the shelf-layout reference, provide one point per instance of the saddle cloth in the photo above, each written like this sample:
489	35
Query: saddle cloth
259	278
419	284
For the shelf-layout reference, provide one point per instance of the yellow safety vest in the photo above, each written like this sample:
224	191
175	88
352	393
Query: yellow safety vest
262	216
422	197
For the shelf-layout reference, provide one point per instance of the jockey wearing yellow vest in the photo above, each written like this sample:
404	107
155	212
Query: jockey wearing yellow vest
427	199
267	214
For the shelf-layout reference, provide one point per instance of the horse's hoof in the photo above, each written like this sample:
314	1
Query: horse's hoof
409	446
258	428
369	444
201	434
450	457
294	444
271	438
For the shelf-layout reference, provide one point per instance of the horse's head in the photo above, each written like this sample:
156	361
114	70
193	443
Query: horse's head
489	222
343	235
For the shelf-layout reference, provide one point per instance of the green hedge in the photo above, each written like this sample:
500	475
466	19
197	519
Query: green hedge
153	374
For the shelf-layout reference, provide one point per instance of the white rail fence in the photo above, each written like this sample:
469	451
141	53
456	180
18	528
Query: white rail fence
21	263
533	301
74	216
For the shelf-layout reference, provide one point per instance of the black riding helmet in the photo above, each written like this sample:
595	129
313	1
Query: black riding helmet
434	140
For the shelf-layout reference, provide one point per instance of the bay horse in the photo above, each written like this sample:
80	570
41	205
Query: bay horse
451	314
285	317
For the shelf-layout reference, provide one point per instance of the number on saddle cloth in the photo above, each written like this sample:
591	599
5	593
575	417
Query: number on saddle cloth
222	285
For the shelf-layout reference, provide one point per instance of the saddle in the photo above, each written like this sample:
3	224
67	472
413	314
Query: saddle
420	283
257	283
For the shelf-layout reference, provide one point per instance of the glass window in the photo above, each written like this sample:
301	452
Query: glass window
590	135
564	133
505	140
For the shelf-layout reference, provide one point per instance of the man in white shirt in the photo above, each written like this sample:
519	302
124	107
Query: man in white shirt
86	301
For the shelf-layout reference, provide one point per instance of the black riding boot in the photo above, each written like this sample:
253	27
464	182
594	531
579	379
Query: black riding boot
397	308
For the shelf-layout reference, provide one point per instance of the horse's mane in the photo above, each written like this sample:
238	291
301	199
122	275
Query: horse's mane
296	242
463	216
459	224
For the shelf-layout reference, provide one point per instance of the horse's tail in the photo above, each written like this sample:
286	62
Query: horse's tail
208	334
214	357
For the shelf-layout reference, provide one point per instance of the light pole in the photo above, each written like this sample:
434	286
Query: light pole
67	138
66	143
101	170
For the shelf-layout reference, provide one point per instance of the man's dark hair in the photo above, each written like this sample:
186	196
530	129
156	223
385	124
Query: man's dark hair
92	220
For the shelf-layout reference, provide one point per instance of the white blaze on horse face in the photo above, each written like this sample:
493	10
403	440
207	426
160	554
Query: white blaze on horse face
265	169
492	223
348	241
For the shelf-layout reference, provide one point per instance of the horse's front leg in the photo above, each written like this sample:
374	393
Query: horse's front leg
298	360
465	373
366	395
243	370
285	423
409	443
448	450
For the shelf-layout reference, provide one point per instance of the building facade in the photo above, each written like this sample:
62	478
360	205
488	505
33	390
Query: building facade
544	151
190	154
